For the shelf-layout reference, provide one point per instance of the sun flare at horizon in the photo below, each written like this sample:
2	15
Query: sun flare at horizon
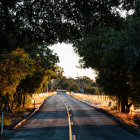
69	61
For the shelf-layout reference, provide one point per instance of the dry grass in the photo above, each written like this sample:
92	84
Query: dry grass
39	99
127	118
103	102
95	100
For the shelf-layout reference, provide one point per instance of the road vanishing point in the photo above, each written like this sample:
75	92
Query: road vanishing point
50	122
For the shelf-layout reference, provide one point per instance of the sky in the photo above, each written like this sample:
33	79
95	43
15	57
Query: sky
69	61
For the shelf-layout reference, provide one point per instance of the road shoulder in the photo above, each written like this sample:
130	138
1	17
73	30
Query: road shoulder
120	122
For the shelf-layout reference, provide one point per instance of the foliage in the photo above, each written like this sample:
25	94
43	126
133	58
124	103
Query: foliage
32	22
7	43
74	85
69	84
86	81
59	71
23	73
87	84
89	90
13	68
45	69
115	54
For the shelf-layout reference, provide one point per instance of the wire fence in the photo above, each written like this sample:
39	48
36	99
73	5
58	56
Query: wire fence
105	102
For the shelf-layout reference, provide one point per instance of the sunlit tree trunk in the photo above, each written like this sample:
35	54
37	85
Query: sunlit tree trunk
24	98
128	107
118	103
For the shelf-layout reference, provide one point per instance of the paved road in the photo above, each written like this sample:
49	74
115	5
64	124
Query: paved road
50	123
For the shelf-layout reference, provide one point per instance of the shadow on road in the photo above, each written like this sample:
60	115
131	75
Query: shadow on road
45	133
49	115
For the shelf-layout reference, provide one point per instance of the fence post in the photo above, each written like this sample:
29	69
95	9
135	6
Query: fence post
34	103
2	119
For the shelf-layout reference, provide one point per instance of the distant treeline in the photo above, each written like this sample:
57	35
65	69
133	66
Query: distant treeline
80	84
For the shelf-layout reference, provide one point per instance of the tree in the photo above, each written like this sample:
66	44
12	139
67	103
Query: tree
45	69
115	55
134	53
23	73
85	80
69	84
89	86
14	67
59	71
74	88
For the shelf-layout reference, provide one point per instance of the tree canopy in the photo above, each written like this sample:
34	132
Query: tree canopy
115	54
34	21
105	41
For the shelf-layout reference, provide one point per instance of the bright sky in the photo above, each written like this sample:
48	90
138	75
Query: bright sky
69	60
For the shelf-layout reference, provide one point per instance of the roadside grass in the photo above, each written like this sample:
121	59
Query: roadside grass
20	112
7	121
39	99
103	102
96	100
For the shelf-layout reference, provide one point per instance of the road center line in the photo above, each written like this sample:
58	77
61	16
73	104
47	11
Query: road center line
70	130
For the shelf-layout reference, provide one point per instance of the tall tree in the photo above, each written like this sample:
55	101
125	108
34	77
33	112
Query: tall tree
116	58
45	69
14	67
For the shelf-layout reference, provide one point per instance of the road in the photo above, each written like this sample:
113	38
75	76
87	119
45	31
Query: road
51	123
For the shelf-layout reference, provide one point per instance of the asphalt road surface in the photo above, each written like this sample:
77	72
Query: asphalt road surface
51	123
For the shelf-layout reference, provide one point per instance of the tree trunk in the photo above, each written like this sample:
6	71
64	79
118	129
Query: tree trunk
123	106
20	103
124	102
128	107
12	105
23	100
118	103
1	102
6	103
19	99
1	106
